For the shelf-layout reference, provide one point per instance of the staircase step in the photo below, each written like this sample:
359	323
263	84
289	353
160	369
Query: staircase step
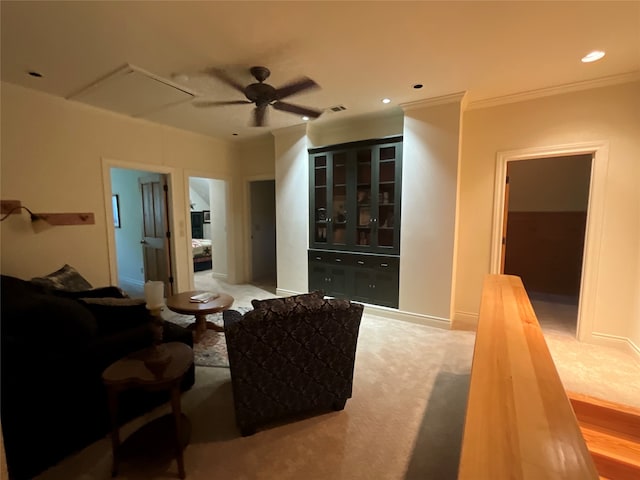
612	434
615	418
615	457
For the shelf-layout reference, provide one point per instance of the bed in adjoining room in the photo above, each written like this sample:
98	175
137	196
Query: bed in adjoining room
201	250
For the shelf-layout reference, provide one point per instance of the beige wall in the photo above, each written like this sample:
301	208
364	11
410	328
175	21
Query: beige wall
292	209
52	160
429	186
559	184
610	114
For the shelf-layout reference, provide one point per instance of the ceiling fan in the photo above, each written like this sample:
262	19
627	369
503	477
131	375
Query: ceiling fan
263	95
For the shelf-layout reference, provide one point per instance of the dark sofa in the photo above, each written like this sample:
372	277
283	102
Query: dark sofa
55	346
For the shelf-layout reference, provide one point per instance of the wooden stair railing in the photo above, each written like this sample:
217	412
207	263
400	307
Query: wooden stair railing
612	433
519	422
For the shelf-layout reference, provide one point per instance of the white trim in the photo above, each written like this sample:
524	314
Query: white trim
187	215
621	343
133	282
431	102
246	208
107	165
465	321
391	313
595	214
221	276
417	318
555	90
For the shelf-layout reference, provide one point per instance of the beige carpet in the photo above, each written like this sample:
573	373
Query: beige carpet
399	368
404	420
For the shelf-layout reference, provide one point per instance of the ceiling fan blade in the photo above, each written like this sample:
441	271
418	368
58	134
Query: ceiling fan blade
297	109
296	86
208	103
258	116
221	75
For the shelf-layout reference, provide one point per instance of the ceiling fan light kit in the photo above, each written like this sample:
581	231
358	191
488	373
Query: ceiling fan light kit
263	95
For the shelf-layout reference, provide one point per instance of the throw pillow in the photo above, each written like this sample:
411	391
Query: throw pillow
116	314
304	299
67	278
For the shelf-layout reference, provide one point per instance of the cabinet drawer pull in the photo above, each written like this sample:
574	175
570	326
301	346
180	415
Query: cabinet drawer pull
384	264
338	259
318	258
360	262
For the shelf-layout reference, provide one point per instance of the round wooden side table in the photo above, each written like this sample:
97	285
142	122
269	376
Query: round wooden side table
180	303
131	372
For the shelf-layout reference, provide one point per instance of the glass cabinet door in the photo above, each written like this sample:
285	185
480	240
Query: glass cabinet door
355	198
338	219
320	199
364	220
386	211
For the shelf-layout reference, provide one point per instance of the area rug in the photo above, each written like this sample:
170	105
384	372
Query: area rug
211	350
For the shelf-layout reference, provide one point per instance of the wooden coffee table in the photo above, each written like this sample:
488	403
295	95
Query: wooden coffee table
131	372
180	303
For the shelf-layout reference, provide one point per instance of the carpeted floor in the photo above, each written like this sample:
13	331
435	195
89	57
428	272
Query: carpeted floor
211	350
404	421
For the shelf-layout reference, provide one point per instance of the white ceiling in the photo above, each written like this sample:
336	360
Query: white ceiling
358	52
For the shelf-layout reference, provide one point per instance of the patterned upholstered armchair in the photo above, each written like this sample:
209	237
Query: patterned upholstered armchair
291	355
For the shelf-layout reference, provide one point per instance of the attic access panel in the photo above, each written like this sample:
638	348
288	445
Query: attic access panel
132	91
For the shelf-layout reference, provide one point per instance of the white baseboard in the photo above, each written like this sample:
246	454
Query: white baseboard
221	276
465	321
615	341
391	313
130	282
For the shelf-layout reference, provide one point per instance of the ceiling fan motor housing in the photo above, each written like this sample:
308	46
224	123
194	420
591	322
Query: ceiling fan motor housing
260	93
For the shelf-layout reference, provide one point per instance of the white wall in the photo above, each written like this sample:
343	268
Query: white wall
429	196
609	114
52	159
292	209
124	183
218	226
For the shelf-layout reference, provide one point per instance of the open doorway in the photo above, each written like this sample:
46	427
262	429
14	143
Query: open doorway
546	205
263	233
140	206
208	208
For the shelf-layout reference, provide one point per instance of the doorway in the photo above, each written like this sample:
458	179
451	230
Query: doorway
141	211
263	233
208	221
546	205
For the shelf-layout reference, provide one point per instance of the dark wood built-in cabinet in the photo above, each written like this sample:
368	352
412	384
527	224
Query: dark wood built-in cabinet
355	192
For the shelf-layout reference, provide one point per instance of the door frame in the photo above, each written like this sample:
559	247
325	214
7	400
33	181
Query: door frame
595	214
231	250
107	165
246	207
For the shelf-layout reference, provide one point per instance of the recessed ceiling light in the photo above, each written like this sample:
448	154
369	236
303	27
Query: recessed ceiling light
593	56
35	74
417	86
386	100
305	118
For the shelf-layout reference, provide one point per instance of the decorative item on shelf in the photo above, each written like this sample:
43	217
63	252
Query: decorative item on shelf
385	197
159	358
321	214
362	196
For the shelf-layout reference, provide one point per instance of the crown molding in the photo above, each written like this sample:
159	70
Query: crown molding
556	90
431	102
